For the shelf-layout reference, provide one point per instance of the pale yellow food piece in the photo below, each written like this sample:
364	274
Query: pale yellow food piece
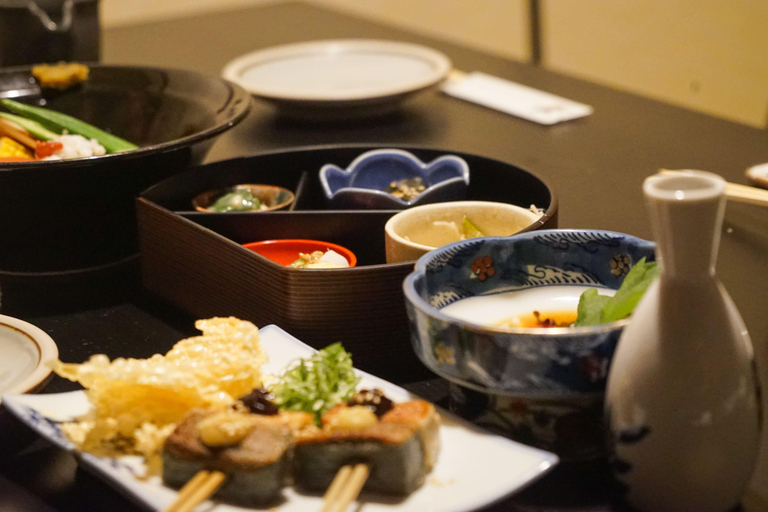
356	417
226	427
61	75
137	402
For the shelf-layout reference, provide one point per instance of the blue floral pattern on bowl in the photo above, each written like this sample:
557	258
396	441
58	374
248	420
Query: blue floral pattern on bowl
545	362
364	183
543	387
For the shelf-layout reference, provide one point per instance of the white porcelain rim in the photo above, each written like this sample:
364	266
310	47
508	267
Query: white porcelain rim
46	347
234	69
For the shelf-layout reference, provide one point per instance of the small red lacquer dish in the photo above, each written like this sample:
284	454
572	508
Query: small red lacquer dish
287	251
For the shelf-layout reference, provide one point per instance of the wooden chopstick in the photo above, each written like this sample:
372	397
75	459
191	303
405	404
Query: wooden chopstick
299	192
199	488
745	194
346	485
456	74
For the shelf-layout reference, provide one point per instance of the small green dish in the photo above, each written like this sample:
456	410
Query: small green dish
271	198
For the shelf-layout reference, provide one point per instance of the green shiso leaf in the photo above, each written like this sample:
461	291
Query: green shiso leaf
597	309
317	383
590	310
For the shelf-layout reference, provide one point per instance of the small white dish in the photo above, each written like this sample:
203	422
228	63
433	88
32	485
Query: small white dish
342	77
24	352
758	175
500	310
474	468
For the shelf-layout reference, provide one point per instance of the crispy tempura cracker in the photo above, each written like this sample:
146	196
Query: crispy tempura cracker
137	402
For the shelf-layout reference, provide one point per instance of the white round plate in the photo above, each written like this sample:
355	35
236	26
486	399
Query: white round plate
338	74
24	351
758	175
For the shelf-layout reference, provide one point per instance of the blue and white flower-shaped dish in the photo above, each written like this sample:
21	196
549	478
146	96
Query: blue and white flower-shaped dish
544	386
365	182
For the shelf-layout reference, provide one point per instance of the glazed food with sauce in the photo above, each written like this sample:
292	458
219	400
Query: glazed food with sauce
372	399
400	448
260	401
548	319
399	442
205	405
557	305
254	450
252	454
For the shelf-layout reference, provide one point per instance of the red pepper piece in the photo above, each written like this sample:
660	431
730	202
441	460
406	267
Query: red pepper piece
45	149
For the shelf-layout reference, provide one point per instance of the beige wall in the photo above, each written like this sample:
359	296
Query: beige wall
125	12
493	26
706	55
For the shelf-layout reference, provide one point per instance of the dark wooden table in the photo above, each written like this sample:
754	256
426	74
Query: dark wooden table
596	165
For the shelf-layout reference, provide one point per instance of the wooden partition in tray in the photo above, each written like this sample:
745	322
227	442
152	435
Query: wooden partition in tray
196	260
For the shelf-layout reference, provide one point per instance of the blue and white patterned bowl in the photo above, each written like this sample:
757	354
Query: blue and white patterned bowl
363	184
532	380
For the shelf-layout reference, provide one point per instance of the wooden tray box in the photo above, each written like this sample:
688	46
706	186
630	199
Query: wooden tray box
196	260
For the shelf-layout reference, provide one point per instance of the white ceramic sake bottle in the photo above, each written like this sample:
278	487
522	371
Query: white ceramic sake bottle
682	403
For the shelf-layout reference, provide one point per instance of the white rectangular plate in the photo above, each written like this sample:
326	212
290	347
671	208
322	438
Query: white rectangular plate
474	468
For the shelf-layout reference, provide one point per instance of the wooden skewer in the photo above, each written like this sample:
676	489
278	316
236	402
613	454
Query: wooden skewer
334	490
344	489
199	488
187	490
346	485
456	74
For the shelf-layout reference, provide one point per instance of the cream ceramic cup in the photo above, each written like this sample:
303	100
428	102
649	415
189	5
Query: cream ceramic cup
414	232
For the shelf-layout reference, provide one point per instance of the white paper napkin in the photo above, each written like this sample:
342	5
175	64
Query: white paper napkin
513	98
